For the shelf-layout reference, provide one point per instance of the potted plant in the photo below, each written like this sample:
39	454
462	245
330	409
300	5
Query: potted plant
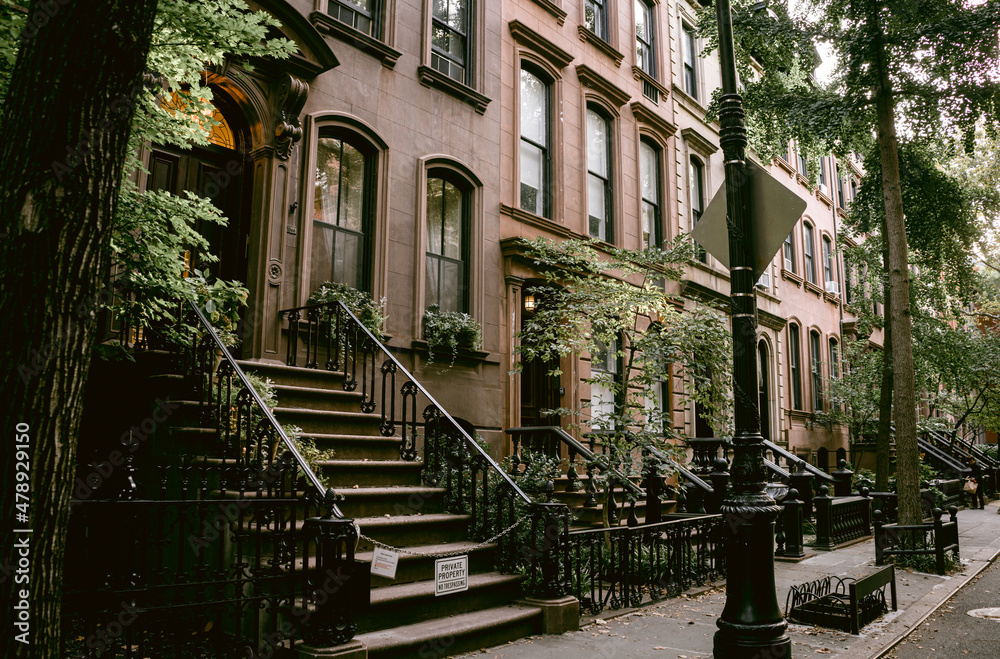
450	330
369	312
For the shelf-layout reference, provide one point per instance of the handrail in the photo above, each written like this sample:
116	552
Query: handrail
385	351
951	441
952	463
579	448
776	469
219	345
644	527
792	458
681	469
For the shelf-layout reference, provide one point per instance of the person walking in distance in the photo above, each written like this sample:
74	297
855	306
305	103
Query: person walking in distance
976	473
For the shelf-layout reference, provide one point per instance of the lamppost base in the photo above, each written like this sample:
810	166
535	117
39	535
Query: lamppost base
751	642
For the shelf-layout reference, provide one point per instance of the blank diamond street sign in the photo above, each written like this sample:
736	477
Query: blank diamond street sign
775	210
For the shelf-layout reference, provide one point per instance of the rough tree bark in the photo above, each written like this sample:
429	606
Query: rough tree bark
883	440
66	117
904	394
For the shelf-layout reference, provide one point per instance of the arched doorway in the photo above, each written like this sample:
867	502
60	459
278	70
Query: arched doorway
540	391
219	172
763	389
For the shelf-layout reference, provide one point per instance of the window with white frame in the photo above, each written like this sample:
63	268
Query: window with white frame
535	142
649	173
599	181
807	253
827	260
689	54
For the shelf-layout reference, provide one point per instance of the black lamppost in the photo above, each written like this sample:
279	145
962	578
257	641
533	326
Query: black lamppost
751	625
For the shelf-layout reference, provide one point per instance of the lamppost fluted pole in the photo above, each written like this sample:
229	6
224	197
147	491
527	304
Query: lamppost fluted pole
751	625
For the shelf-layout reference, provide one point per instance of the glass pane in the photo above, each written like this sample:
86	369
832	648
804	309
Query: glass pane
533	104
597	144
641	28
432	284
450	286
352	188
322	255
648	225
532	169
648	170
327	180
596	206
347	258
435	205
452	246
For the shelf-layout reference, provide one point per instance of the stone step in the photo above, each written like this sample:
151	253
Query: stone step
318	398
413	530
421	568
402	500
296	375
464	632
404	604
328	422
346	474
357	447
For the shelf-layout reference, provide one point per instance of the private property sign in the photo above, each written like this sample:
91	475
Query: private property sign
451	575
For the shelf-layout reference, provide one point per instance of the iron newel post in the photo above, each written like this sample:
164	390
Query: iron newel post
751	624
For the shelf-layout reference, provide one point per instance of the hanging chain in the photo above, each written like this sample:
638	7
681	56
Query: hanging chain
444	554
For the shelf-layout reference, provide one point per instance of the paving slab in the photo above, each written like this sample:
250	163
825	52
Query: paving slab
683	627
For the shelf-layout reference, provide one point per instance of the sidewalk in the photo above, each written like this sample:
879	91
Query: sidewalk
683	627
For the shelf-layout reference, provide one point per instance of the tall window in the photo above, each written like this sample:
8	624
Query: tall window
795	366
827	259
362	15
807	251
854	188
840	189
696	180
605	368
599	190
535	194
649	172
342	214
834	359
595	17
451	26
848	279
689	53
448	212
645	55
817	372
803	165
822	175
789	252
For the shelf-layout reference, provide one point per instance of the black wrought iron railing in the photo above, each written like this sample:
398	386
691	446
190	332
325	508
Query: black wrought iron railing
626	566
935	538
203	532
841	519
331	337
792	459
533	439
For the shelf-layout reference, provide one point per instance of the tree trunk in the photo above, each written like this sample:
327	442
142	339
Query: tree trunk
67	118
883	441
904	394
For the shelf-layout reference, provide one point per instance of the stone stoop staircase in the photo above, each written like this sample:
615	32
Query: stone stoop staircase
387	499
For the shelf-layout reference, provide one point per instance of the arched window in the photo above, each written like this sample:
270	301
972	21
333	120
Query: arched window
599	175
795	365
343	211
536	141
650	156
448	228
